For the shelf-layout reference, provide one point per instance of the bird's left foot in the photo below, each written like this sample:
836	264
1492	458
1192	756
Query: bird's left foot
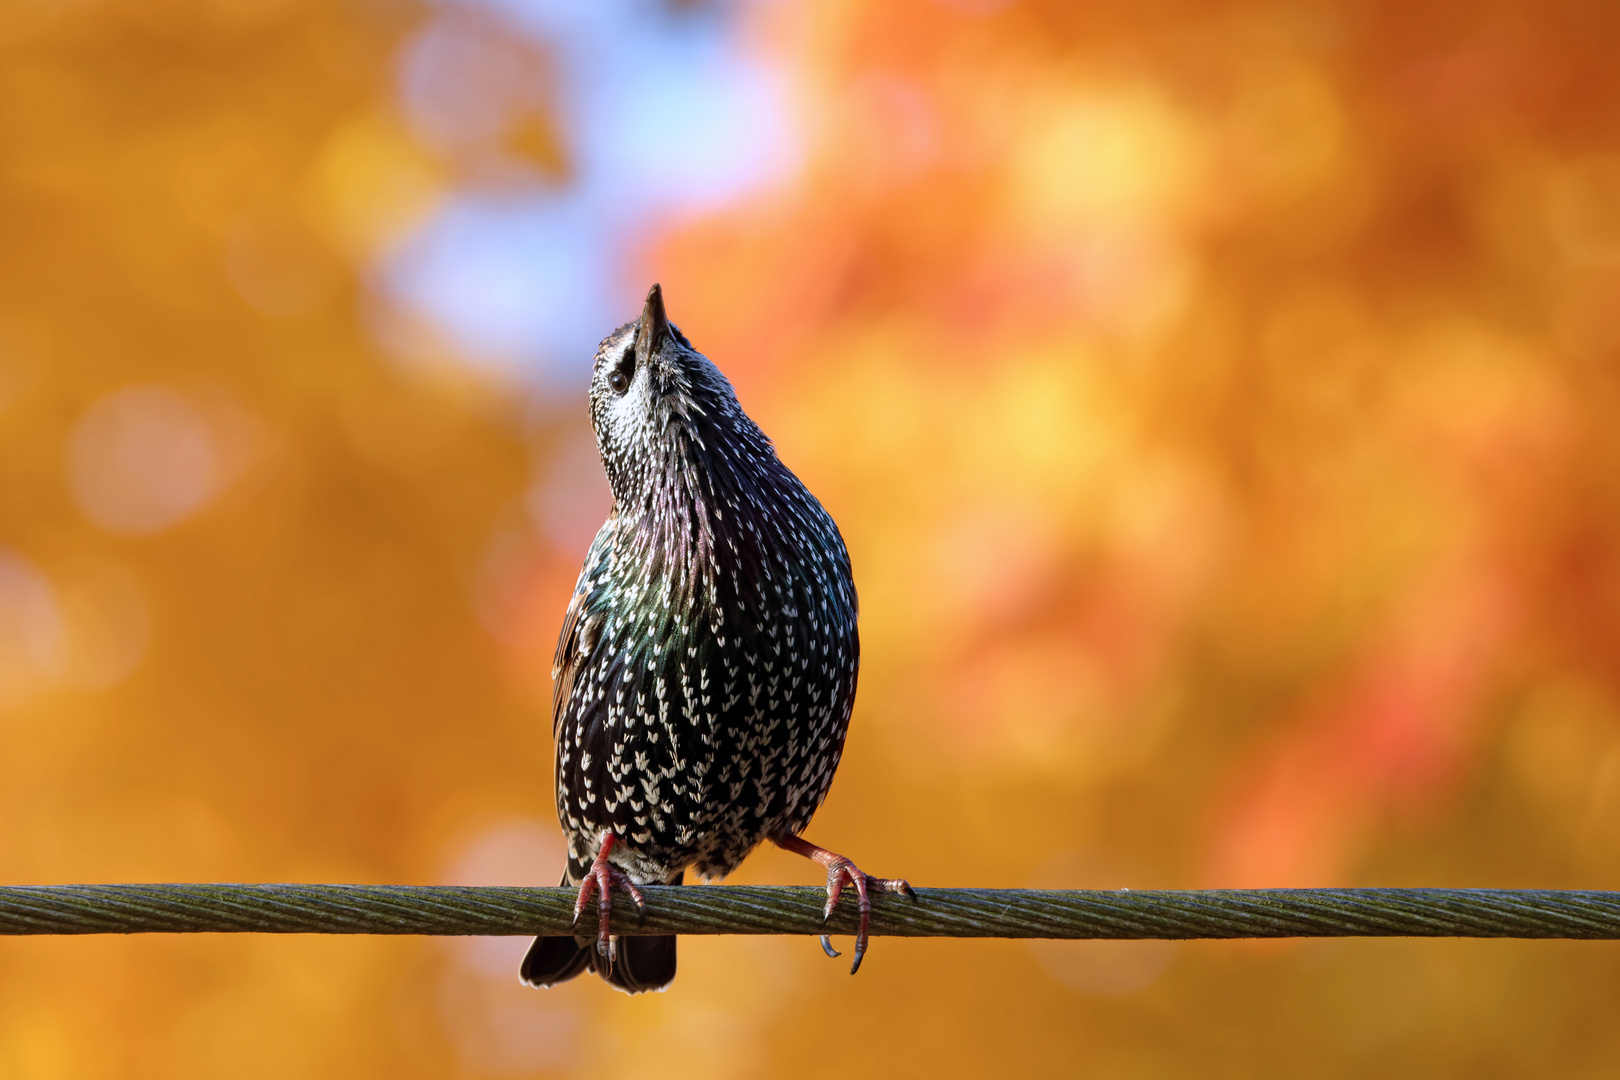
600	879
842	873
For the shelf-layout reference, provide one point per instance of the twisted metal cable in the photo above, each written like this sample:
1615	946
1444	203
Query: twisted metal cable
751	909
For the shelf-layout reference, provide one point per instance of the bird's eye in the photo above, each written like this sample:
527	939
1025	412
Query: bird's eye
620	379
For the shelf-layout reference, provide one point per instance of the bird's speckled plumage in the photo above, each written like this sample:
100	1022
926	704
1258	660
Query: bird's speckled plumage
706	669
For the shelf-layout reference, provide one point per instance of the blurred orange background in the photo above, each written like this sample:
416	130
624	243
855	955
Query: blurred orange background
1212	396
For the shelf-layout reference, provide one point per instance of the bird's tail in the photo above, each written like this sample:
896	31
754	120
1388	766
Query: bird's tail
635	964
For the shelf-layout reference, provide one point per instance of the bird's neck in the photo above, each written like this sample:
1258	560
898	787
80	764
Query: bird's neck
702	520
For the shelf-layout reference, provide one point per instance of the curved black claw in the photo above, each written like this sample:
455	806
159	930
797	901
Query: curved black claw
841	872
600	879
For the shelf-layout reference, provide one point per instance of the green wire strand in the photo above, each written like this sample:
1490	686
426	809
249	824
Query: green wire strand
750	909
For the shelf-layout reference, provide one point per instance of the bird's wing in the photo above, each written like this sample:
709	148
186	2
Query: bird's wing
580	628
577	640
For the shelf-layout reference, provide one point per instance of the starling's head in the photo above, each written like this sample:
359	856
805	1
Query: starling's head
654	399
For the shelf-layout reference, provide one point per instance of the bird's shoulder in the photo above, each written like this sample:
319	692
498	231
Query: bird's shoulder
582	623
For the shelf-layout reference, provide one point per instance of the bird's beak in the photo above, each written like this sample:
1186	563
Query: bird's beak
654	323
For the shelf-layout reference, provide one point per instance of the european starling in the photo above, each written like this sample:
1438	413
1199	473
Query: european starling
706	669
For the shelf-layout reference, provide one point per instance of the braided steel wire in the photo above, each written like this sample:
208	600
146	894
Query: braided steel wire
747	909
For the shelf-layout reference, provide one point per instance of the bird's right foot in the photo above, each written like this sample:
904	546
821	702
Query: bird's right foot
842	872
600	879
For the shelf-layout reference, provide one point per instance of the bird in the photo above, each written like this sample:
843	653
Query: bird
705	673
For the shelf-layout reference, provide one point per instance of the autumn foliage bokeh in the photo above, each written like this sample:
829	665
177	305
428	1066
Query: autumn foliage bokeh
1218	400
